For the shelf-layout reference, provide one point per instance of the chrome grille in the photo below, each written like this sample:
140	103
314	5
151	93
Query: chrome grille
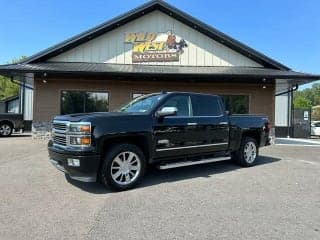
59	131
59	126
61	140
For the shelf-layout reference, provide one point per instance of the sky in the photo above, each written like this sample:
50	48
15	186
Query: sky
285	30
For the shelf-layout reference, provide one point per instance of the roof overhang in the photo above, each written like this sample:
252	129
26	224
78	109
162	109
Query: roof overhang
196	73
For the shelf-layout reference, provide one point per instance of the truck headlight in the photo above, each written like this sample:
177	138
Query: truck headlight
80	128
80	140
79	134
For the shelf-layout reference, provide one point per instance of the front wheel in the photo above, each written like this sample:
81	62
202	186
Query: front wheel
123	167
247	153
5	130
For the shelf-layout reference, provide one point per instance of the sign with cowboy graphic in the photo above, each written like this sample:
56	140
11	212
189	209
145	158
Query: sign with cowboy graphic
155	47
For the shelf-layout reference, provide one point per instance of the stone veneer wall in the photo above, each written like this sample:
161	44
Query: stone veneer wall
41	130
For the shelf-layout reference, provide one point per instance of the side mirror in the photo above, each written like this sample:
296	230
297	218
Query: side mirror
167	111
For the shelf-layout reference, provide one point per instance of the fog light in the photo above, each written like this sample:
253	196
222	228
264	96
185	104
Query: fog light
73	162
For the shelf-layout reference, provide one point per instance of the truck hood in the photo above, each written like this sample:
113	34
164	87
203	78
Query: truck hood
82	117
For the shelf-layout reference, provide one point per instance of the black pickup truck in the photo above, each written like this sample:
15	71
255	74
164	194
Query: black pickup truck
164	129
10	122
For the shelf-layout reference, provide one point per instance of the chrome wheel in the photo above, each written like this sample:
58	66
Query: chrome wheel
125	168
250	152
5	130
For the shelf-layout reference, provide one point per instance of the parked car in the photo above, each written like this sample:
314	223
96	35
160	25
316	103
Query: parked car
10	122
315	128
163	129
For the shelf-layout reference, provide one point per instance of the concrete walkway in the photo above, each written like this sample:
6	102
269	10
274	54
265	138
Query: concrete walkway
297	141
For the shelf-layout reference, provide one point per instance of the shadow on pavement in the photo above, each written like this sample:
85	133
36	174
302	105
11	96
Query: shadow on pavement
17	135
91	187
155	176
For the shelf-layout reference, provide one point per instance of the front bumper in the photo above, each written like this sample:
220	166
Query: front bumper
86	172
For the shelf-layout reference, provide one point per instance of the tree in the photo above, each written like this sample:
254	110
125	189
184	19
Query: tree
308	98
8	88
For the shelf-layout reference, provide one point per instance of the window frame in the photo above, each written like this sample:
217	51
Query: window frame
142	93
84	91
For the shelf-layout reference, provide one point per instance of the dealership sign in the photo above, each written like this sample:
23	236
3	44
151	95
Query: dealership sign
155	47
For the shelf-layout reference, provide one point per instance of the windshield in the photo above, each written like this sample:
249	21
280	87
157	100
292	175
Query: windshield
142	104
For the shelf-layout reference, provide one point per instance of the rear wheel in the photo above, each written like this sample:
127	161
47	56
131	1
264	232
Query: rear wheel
5	130
247	153
123	167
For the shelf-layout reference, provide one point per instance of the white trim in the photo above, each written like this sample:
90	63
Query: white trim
300	140
193	146
297	145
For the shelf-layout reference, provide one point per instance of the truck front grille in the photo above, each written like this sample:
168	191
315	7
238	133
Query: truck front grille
60	140
59	133
59	126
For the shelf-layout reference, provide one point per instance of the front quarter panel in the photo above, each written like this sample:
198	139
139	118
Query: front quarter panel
125	127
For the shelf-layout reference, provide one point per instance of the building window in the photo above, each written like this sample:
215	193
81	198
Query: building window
236	104
84	101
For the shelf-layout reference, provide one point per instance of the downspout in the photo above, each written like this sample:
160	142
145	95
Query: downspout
23	97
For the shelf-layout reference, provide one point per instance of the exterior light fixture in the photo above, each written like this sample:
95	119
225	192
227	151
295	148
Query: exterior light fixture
44	81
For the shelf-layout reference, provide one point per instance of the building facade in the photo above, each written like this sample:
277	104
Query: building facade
152	48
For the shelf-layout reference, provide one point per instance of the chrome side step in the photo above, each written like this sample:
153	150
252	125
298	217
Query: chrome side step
189	163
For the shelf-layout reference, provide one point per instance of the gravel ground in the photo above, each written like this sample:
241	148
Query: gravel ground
279	198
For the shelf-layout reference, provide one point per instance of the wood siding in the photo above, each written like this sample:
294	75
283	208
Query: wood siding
201	50
47	95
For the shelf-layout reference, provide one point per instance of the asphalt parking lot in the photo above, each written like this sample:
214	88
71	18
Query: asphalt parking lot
279	198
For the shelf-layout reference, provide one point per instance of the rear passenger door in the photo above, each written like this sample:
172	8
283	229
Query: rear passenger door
212	122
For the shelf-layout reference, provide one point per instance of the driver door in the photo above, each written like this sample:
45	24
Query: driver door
173	134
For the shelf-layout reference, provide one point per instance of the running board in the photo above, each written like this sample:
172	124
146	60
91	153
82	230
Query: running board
189	163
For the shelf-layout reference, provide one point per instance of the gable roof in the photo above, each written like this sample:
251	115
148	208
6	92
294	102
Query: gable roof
172	12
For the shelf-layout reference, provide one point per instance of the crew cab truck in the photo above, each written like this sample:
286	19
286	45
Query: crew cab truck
167	129
10	122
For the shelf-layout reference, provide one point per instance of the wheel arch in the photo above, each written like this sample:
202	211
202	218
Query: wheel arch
252	134
7	122
138	140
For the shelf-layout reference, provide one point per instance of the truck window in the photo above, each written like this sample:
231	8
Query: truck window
205	106
182	103
237	104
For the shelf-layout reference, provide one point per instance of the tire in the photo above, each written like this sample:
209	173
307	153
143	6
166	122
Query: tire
247	153
5	130
122	175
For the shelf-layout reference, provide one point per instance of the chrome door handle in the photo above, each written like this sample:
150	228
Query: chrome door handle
192	124
223	123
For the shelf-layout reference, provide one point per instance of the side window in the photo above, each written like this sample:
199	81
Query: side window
182	103
205	106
